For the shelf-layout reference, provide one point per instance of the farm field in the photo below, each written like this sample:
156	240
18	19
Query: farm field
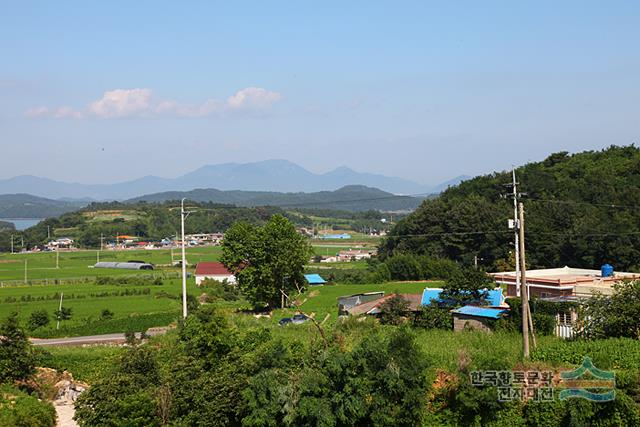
77	264
136	306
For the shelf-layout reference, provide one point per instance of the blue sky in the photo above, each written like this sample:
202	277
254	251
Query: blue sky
109	91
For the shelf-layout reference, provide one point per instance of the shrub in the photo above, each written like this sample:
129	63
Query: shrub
394	310
433	317
106	314
38	319
20	409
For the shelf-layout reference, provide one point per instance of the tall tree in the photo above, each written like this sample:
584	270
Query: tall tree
266	260
17	358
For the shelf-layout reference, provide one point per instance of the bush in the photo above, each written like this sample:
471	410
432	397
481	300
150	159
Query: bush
38	319
22	410
394	310
433	317
220	290
106	314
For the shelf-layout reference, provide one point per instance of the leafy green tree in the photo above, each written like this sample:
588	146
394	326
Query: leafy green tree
616	315
126	396
467	286
266	260
404	267
38	319
17	358
394	310
433	317
64	313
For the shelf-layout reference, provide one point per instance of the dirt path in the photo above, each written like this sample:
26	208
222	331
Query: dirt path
65	415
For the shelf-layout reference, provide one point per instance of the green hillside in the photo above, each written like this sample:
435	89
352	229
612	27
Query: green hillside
581	210
354	198
28	206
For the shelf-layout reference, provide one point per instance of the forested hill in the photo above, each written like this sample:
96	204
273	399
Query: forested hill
353	198
582	210
28	206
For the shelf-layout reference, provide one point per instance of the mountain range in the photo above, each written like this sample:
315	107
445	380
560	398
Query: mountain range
268	175
348	198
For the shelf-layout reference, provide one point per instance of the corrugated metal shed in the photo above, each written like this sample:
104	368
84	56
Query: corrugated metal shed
124	265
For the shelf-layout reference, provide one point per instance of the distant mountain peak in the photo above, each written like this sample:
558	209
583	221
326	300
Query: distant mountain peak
278	175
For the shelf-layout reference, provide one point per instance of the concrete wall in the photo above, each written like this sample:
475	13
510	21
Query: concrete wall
463	321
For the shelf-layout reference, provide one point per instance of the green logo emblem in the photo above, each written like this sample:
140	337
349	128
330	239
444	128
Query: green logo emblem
588	382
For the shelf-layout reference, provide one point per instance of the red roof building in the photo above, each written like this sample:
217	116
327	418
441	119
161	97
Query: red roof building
214	271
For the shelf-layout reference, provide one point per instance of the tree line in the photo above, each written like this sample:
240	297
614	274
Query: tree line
581	210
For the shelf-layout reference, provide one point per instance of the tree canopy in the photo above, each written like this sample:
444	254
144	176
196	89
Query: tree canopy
581	210
266	260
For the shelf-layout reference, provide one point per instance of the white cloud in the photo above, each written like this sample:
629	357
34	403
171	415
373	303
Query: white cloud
122	103
141	102
253	98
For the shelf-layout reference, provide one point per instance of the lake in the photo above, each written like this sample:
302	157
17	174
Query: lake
22	223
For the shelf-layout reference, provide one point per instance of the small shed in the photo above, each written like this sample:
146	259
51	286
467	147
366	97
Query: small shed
314	279
475	317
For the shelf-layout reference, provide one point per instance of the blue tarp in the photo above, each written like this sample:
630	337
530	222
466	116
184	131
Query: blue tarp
315	279
472	310
494	297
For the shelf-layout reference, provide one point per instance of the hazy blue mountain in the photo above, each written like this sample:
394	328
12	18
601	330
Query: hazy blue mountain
28	206
268	175
450	183
348	198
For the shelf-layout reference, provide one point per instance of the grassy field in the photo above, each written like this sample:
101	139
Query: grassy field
75	264
132	305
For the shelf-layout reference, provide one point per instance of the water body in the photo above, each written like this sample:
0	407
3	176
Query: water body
22	223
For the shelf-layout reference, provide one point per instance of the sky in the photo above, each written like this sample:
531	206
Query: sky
101	92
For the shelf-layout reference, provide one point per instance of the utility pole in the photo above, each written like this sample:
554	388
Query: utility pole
12	243
514	225
59	310
183	216
524	294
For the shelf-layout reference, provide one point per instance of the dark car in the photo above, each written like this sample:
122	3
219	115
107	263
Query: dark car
299	318
285	321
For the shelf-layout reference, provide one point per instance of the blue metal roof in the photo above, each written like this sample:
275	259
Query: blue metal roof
314	279
472	310
430	294
494	297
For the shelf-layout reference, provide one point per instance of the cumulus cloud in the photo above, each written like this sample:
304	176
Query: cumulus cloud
253	98
122	103
141	102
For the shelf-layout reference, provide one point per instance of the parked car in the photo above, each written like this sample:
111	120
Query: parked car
285	321
299	318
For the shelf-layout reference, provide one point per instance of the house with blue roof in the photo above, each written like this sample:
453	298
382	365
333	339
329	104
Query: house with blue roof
479	317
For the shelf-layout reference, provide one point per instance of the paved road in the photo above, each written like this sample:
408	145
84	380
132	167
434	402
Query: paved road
92	339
